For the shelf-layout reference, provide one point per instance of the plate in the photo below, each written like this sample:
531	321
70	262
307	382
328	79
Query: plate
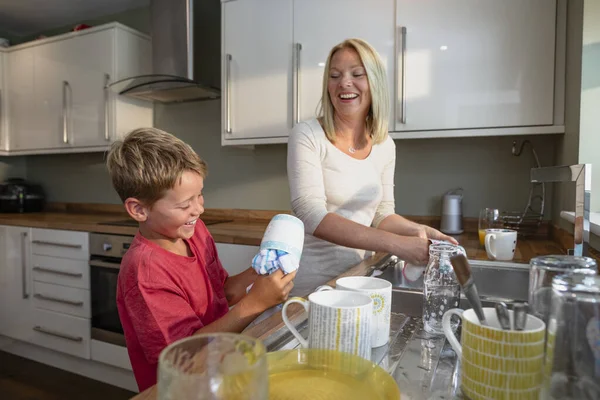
315	374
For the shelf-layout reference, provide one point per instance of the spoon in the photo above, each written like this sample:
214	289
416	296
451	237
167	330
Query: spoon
520	316
502	314
462	269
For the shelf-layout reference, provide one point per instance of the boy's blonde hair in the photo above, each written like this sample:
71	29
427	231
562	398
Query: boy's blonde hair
378	117
148	162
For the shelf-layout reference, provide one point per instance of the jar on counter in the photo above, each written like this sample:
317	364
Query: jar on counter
441	290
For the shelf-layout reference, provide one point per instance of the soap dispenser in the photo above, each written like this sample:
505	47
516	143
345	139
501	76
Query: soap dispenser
451	223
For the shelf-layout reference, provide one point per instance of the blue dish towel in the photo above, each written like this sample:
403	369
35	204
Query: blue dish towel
268	261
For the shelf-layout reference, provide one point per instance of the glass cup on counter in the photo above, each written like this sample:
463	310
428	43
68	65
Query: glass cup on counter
219	366
543	269
489	218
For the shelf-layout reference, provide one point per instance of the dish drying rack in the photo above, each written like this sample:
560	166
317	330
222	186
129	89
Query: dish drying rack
527	222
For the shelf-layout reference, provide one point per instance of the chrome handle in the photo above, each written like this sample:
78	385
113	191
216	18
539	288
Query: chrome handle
106	108
402	79
71	246
65	113
228	93
58	272
61	335
24	264
296	80
58	300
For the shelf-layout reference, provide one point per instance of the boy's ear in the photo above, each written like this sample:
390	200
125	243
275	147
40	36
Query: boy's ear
136	209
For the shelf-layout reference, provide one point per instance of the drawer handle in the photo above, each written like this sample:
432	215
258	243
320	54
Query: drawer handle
50	332
57	272
69	245
56	299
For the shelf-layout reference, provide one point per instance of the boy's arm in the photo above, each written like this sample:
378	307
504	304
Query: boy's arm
235	286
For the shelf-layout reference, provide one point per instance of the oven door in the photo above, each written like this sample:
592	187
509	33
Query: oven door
106	326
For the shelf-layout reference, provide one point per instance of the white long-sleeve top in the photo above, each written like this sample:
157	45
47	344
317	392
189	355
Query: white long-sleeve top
323	180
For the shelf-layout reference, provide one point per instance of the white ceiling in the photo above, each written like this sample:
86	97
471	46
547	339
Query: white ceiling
26	17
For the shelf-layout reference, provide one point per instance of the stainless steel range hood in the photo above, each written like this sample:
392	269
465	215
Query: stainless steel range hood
186	52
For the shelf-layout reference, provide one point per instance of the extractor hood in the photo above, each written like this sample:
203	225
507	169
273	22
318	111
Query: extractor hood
186	53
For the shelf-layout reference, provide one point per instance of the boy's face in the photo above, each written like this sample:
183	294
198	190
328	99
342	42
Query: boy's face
174	216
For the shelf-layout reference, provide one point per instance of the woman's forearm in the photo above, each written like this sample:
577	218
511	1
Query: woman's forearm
400	226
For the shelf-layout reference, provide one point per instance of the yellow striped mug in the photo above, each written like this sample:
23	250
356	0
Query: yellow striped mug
496	363
337	320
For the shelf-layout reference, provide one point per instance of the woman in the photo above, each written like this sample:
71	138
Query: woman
341	173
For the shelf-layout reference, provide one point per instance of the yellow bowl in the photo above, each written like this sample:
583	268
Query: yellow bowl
326	374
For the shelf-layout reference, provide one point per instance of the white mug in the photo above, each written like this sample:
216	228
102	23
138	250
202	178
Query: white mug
380	292
337	320
500	244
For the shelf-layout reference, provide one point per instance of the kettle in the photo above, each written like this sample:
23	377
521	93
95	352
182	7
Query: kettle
451	223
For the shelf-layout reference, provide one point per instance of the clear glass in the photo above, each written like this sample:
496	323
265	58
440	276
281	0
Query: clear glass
572	364
543	269
489	218
219	366
441	289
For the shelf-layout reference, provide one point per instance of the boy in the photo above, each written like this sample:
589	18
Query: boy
171	284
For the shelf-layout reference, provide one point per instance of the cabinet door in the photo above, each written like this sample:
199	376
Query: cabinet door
320	25
88	72
15	282
256	67
23	116
476	63
3	102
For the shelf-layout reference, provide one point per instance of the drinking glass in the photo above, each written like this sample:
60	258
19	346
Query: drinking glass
219	366
489	218
543	269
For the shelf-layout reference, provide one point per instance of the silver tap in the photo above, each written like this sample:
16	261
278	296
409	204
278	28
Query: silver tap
581	174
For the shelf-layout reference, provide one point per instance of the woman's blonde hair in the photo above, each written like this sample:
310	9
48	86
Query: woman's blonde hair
148	162
378	116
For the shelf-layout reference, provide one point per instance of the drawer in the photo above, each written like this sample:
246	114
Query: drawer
60	332
61	271
62	299
58	243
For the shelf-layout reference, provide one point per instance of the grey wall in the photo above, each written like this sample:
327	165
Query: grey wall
12	167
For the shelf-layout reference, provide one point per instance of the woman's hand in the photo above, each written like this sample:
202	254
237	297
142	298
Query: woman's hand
427	232
413	250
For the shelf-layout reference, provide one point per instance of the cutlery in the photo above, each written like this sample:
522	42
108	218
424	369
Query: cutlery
462	269
502	314
520	316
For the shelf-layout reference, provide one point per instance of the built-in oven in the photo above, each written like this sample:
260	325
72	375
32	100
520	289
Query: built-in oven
106	252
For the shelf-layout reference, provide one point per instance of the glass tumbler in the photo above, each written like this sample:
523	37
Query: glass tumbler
219	366
543	269
572	364
489	218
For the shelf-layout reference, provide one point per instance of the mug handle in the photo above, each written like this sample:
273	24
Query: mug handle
448	330
489	239
304	303
323	287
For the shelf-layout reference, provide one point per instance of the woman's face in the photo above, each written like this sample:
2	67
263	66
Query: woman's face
348	85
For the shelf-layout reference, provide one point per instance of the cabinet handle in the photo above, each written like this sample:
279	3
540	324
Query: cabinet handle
58	300
106	108
402	79
58	272
228	93
50	332
24	264
296	80
65	113
71	246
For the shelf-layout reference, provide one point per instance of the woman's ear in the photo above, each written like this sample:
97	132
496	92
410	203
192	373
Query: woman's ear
136	209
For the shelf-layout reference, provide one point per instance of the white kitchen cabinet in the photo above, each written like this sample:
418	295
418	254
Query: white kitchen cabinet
256	68
61	81
475	64
15	282
236	258
3	96
320	25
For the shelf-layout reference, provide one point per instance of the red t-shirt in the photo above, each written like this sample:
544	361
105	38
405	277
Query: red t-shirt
163	297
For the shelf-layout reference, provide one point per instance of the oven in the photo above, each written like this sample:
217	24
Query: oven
106	252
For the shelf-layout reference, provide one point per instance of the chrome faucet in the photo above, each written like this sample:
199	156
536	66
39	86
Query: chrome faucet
581	174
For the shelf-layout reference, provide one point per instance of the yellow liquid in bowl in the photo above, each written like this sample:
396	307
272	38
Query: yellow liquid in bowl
316	385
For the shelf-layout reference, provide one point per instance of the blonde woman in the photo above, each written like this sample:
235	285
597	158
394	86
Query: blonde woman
341	173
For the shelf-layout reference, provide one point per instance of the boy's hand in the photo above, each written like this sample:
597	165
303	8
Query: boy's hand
270	290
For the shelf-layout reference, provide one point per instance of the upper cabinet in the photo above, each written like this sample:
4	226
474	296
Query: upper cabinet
2	98
468	64
454	67
61	81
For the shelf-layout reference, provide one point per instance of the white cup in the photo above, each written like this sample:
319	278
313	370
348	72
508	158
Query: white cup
284	232
380	291
500	244
337	320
